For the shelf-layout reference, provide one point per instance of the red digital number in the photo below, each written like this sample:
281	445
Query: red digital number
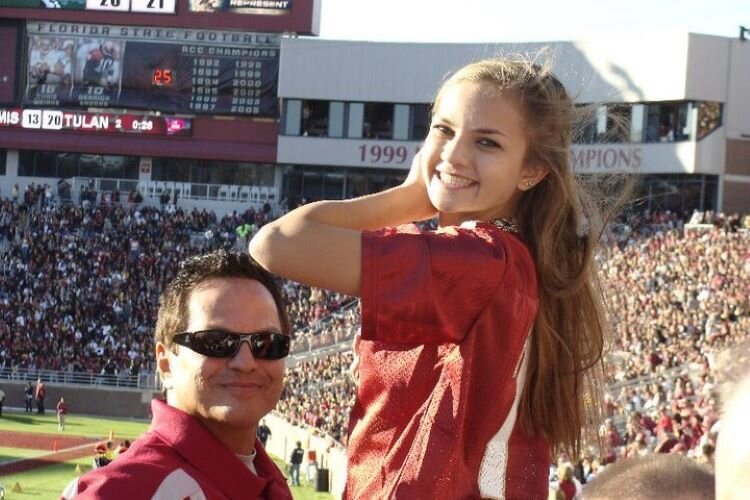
162	77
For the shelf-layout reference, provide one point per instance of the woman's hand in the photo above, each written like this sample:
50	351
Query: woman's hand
415	186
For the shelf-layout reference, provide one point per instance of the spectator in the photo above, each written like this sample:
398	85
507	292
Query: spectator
652	477
216	304
39	394
103	453
62	412
122	448
264	432
28	394
295	462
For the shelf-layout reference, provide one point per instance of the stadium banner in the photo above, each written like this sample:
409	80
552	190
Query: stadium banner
172	70
108	123
255	7
145	6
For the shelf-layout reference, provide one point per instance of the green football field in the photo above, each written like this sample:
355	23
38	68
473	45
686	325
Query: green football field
48	481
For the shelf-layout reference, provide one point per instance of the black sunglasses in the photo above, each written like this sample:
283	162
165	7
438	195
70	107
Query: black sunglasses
222	344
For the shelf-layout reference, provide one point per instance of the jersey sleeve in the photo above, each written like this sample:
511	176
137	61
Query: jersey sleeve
424	287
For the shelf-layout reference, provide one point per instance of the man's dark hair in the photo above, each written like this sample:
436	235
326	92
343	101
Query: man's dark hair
653	476
173	304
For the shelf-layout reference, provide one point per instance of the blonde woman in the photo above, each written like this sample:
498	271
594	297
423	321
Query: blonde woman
476	337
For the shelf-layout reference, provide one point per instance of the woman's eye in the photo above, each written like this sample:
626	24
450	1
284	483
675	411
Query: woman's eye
442	129
488	143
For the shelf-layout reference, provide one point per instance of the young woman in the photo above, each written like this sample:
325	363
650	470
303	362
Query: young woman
477	337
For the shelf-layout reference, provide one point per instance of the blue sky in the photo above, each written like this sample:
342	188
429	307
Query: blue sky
526	20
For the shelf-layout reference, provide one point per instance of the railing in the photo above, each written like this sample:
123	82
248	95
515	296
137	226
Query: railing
320	335
184	190
146	381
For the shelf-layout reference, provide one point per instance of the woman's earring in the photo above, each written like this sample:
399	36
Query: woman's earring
529	183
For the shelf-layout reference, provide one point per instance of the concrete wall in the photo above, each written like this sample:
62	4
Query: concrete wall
89	400
662	67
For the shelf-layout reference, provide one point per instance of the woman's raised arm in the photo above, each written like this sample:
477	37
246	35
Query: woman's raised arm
319	244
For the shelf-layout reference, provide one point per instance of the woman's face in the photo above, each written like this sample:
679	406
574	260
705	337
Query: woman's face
475	155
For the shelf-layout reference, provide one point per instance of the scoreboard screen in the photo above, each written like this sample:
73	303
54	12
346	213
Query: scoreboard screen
164	69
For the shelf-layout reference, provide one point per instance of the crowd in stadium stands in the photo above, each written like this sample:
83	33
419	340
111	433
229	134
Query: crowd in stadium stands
79	289
320	393
79	284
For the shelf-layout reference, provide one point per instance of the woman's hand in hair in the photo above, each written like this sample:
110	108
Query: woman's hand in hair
415	187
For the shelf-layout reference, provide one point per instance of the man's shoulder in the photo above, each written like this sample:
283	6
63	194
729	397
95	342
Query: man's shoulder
144	468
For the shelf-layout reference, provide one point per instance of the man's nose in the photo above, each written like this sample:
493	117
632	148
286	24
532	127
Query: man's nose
244	359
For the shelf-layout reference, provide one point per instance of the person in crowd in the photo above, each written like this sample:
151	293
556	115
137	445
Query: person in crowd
221	338
654	476
264	432
122	447
2	400
477	337
103	453
567	482
28	395
62	412
39	394
295	462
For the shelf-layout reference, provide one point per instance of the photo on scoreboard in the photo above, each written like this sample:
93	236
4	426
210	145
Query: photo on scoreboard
98	72
50	70
170	70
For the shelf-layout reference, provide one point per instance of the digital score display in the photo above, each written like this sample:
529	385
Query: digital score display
171	70
162	77
112	123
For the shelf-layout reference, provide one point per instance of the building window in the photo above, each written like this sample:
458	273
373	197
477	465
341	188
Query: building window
315	118
420	121
89	166
26	163
336	113
617	124
401	122
355	119
709	118
378	121
212	172
292	116
667	122
3	159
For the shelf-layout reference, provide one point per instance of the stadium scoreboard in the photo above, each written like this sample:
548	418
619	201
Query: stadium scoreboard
255	7
173	70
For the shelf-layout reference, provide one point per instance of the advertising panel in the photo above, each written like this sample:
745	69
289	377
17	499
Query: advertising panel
256	7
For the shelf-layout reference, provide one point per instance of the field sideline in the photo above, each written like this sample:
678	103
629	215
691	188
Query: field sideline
42	460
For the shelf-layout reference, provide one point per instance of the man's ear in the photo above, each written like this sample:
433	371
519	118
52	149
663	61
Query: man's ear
162	364
532	175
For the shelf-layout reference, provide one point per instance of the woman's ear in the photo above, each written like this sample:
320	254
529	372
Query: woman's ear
532	175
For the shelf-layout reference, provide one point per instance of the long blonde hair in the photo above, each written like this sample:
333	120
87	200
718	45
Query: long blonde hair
561	225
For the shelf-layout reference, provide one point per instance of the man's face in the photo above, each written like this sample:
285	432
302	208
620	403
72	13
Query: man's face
229	395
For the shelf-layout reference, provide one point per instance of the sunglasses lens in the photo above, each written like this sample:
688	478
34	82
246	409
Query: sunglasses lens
214	344
218	344
269	345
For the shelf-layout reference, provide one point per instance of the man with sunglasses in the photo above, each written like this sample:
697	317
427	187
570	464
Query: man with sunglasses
221	338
